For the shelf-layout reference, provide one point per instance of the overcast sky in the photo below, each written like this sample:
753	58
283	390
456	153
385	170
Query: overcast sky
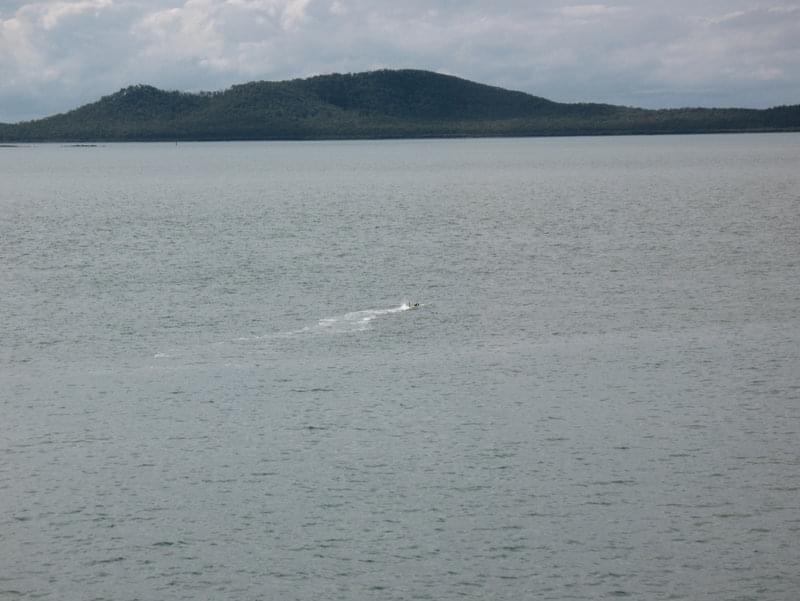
58	54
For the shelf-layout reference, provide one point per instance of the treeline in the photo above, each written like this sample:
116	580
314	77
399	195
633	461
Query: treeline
378	104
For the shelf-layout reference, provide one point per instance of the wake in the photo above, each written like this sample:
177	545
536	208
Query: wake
353	322
358	321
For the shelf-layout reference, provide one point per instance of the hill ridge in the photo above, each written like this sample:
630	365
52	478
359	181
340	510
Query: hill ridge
374	104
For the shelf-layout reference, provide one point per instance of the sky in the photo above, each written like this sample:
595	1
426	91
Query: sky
56	55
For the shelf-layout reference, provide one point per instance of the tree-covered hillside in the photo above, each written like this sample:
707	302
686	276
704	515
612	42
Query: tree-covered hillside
377	104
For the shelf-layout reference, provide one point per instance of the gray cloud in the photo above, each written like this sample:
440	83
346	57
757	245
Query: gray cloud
57	54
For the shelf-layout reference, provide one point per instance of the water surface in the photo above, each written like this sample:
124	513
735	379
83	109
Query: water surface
212	386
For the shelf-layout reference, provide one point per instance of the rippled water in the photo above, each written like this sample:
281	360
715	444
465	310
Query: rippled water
213	386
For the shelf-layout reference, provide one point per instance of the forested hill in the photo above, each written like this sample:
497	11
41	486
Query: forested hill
377	104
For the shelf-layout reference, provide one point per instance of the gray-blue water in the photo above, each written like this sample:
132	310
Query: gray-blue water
210	387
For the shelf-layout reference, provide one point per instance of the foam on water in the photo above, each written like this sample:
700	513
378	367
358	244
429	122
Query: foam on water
357	321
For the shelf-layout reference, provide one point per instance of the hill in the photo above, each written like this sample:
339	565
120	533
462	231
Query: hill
377	104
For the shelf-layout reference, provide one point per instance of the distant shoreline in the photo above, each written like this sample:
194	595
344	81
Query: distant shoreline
105	142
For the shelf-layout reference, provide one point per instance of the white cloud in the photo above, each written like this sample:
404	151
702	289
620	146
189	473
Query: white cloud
294	13
177	34
753	45
338	8
587	11
54	13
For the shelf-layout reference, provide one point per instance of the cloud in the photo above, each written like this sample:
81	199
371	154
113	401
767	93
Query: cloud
32	54
56	54
52	14
338	8
753	45
588	11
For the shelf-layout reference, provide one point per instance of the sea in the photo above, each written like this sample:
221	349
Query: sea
214	383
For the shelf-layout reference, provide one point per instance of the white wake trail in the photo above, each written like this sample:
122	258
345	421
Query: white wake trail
357	320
